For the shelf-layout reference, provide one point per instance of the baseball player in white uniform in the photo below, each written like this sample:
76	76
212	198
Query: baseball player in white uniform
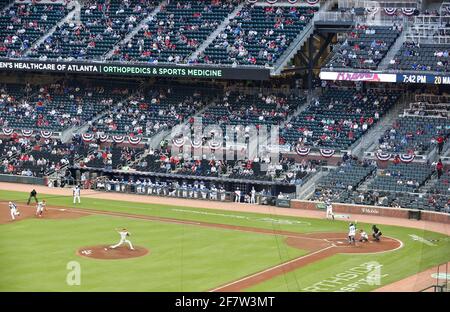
253	196
13	210
213	193
237	196
329	206
40	208
76	194
351	233
123	239
363	237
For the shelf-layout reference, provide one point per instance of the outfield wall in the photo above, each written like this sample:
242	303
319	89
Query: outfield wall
402	213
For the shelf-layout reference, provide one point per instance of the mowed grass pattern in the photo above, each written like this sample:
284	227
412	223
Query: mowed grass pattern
34	253
413	257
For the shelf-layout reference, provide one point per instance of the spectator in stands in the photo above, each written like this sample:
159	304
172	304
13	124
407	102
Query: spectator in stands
446	208
439	168
440	140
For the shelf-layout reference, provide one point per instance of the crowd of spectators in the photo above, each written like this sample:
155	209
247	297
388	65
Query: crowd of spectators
422	57
175	32
257	35
23	23
364	47
103	23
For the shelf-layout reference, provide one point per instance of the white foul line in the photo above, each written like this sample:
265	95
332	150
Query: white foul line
271	268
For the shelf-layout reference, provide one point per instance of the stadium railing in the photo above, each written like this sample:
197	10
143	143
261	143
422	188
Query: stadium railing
442	279
21	179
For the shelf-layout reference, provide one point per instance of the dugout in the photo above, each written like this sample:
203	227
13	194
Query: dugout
414	214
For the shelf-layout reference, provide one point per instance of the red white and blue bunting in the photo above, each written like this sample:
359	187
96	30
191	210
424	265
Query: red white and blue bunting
8	131
372	10
103	137
326	152
46	134
310	2
179	142
27	133
134	140
383	156
196	143
390	11
407	158
118	138
408	11
214	144
87	137
302	151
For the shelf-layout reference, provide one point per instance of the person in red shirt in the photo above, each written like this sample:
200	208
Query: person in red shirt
439	168
396	159
440	142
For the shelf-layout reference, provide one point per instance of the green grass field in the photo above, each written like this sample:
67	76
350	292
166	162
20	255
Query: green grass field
34	253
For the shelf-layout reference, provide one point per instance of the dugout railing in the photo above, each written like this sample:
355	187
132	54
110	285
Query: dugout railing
442	279
185	192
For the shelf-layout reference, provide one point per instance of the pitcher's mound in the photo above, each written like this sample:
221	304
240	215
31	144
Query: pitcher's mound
104	252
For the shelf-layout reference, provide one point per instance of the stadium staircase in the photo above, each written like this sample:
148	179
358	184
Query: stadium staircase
215	33
132	33
368	142
306	190
300	40
4	5
364	185
76	8
84	127
384	64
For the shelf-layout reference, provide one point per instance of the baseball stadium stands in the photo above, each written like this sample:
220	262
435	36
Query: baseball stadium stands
423	57
102	25
24	23
175	32
55	107
164	108
258	35
338	118
413	134
364	47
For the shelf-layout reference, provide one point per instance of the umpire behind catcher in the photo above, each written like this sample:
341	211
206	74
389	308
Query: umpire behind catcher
376	233
33	194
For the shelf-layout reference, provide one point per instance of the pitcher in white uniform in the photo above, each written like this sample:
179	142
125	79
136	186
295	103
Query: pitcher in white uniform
123	239
40	208
13	210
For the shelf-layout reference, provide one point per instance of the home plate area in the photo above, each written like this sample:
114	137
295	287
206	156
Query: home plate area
340	243
106	253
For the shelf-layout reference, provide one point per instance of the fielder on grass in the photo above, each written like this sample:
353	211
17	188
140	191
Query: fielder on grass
76	194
